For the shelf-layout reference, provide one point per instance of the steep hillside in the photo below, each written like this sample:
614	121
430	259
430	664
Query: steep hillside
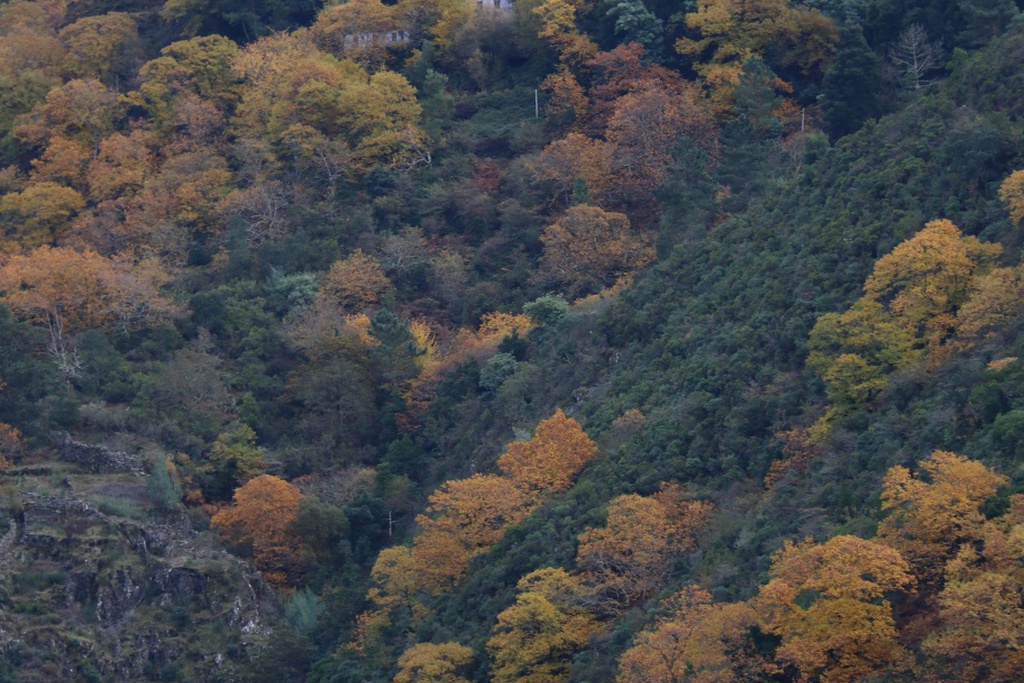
710	347
553	341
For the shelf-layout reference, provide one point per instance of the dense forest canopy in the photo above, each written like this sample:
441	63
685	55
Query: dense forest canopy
547	340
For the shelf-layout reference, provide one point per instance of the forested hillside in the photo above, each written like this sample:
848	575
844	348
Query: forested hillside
574	340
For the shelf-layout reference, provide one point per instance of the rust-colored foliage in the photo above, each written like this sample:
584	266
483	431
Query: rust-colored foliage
73	291
554	456
589	248
356	282
120	167
563	163
629	559
10	445
262	517
643	128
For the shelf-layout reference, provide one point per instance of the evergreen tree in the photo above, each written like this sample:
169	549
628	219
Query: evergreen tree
850	88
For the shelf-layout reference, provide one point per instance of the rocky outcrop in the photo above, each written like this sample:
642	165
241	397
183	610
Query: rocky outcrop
137	599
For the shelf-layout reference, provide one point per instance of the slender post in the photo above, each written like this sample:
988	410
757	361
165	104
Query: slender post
536	104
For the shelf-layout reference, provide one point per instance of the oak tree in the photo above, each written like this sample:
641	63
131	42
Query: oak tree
589	248
536	638
931	515
827	603
261	518
550	461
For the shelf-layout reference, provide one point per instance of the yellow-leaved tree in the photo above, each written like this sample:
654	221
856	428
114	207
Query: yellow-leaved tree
981	606
931	515
433	663
827	603
913	301
1011	191
536	638
726	33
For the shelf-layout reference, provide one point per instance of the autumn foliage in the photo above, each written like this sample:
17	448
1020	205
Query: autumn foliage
536	637
550	461
847	631
1011	191
930	516
589	248
430	663
467	517
830	605
261	518
630	558
696	640
915	302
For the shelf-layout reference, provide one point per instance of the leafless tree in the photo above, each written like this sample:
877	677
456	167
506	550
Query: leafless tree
914	56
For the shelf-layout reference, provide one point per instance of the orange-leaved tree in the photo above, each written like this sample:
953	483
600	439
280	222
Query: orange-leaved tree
827	603
262	519
477	511
589	248
981	607
698	642
69	291
356	282
629	559
433	663
550	461
466	517
560	166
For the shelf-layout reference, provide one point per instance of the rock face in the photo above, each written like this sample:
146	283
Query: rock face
91	596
